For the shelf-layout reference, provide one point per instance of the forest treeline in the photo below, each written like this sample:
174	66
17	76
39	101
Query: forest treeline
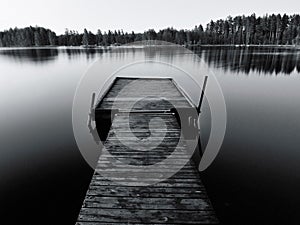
240	30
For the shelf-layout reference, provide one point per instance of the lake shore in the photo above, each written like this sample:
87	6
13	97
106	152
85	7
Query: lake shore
142	46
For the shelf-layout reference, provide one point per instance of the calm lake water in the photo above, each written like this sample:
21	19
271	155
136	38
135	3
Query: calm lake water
255	178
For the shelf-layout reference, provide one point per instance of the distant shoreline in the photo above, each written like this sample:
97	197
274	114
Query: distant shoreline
142	46
269	30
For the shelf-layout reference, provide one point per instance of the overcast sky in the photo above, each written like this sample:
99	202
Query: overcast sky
131	15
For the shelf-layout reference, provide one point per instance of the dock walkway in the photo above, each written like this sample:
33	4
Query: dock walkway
117	193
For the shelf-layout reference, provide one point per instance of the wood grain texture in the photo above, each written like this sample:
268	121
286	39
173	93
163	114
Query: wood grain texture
143	94
117	193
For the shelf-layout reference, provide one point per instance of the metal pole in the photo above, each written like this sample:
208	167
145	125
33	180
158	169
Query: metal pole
92	110
202	94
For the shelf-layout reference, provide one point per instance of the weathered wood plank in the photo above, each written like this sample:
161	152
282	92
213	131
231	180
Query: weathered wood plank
146	203
146	191
147	216
136	174
137	179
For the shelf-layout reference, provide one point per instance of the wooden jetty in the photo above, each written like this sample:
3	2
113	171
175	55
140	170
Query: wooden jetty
117	193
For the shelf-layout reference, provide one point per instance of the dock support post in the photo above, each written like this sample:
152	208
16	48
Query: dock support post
202	94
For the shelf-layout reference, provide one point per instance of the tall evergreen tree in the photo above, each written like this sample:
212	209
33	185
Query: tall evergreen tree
37	38
99	37
85	38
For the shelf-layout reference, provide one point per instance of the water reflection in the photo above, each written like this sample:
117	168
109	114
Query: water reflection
246	59
30	54
264	60
90	53
45	55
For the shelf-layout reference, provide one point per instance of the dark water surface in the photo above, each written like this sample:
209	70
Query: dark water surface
255	179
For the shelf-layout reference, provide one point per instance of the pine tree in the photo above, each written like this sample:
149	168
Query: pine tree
99	37
37	38
85	38
51	37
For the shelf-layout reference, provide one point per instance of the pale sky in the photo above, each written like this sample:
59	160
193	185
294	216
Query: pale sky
131	15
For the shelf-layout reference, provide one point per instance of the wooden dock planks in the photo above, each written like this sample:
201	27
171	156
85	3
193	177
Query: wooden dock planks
147	94
117	193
